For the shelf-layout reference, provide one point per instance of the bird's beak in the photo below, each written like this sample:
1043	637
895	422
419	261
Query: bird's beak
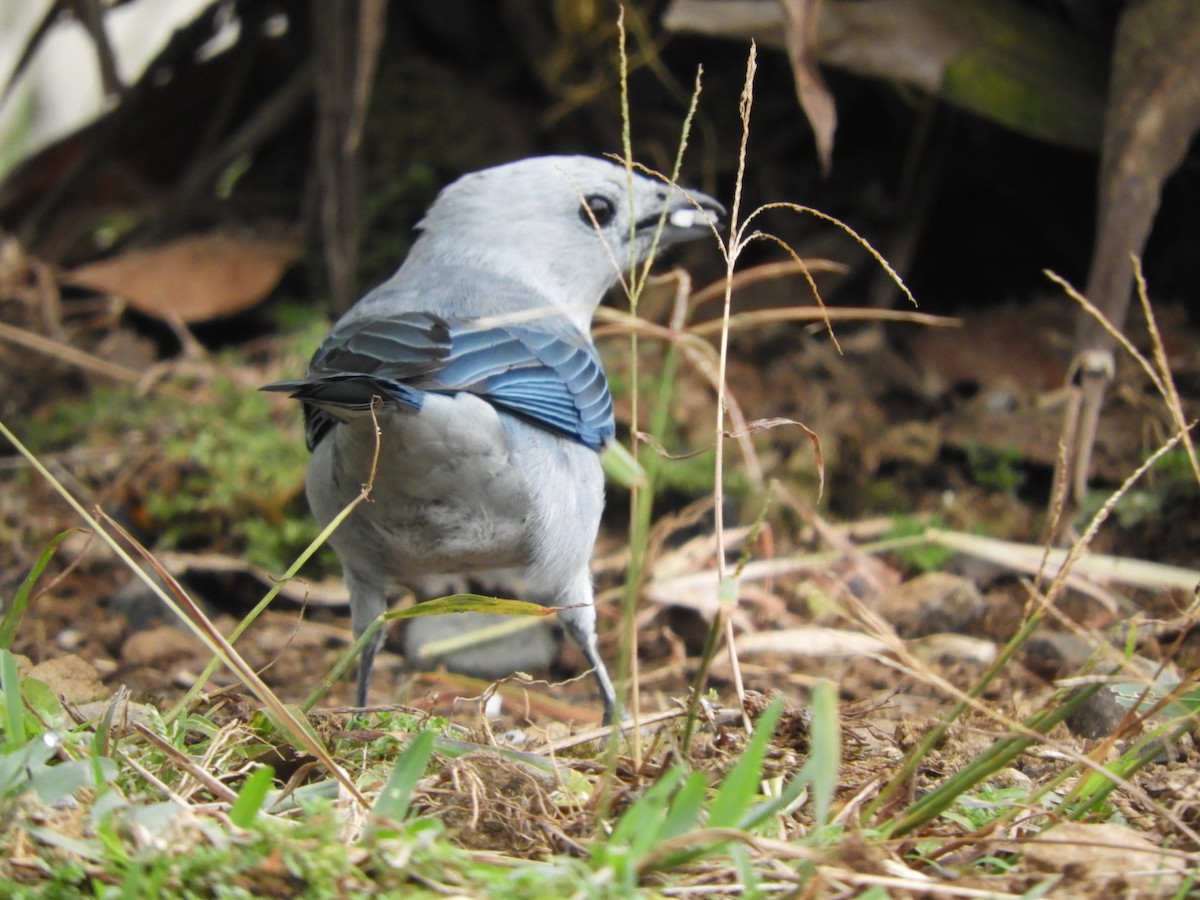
695	211
690	214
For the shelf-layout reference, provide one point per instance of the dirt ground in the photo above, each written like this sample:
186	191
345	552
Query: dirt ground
900	415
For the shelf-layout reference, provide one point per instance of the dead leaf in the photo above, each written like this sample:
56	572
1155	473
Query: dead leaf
801	35
953	648
1101	850
811	641
194	278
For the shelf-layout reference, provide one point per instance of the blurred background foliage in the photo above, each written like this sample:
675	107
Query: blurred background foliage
207	175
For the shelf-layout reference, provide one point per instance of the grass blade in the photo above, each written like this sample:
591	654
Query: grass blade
16	612
986	764
251	797
14	709
392	802
684	813
641	824
825	750
740	786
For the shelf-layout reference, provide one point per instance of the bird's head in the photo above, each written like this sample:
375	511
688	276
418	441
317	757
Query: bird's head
566	225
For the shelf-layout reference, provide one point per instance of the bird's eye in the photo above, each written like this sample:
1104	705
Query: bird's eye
599	208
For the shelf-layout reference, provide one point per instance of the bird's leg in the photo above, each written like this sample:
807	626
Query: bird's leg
365	662
368	601
579	622
608	695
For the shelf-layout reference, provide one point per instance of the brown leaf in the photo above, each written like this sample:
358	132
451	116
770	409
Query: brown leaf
810	640
801	34
194	278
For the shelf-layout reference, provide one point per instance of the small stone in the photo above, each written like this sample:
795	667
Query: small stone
164	644
1100	714
932	603
123	717
139	604
70	677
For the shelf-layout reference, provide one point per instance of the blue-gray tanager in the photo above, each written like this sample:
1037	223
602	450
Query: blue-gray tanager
493	405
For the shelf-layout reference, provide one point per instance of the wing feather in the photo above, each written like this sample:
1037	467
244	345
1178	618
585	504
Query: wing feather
550	378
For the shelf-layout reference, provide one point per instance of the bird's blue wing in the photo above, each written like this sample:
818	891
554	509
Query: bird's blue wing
552	380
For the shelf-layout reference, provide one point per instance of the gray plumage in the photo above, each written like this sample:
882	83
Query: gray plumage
494	401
